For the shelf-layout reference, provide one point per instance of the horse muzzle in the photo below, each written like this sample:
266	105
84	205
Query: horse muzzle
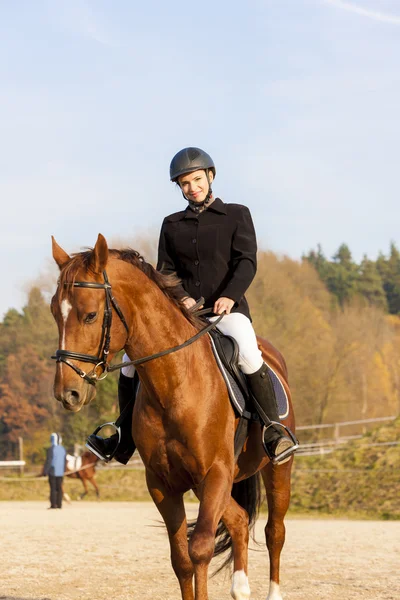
74	399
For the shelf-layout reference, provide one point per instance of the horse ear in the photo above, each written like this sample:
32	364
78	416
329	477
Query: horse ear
59	255
100	255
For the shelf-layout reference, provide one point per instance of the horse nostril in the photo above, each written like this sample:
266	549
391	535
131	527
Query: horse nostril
72	397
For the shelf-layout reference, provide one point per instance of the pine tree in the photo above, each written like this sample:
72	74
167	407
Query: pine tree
370	284
389	270
341	275
318	260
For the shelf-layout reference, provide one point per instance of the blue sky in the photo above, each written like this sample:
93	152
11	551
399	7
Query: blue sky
296	100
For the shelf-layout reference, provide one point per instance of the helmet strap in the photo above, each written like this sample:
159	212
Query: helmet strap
199	207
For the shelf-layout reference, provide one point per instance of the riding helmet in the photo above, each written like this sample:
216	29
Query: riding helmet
189	160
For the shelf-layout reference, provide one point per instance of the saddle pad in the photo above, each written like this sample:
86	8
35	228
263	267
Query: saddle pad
237	397
74	463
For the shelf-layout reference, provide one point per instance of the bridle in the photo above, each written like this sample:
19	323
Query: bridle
62	356
101	360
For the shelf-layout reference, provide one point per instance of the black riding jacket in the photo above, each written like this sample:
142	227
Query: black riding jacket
213	252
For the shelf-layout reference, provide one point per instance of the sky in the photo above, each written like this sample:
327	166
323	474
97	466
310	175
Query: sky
297	101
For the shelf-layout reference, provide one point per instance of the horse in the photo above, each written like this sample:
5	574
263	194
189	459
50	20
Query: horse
85	470
183	422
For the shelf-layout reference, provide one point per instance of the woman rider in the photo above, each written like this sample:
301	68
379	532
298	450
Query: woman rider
212	247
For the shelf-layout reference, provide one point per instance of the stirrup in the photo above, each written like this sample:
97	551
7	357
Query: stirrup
276	460
95	451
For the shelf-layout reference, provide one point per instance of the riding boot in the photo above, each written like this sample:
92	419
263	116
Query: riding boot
119	445
278	446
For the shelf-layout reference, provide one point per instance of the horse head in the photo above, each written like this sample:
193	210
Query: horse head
82	309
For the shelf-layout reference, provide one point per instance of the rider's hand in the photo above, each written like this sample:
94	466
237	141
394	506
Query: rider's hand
223	304
189	302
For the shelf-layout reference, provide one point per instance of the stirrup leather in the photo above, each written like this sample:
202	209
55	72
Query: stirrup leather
278	459
105	457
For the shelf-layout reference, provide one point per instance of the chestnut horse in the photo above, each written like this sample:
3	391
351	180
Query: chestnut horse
86	473
183	422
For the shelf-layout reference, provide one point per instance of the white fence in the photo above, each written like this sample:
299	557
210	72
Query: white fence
337	435
16	464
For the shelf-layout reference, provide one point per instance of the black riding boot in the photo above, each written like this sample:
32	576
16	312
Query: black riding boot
278	446
108	448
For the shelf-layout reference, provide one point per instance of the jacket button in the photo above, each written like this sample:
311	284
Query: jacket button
197	283
196	262
194	240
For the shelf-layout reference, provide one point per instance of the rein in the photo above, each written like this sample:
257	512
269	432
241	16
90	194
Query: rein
62	356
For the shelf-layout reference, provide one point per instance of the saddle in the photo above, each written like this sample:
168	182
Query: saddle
73	463
226	353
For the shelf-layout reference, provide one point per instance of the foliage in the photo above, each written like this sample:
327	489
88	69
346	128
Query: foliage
375	282
360	478
343	364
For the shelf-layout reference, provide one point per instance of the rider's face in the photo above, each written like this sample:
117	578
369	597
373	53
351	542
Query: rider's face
195	185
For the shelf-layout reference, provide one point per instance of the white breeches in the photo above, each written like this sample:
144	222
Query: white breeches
240	328
128	371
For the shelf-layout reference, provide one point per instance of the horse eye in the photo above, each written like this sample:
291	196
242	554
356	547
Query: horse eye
90	317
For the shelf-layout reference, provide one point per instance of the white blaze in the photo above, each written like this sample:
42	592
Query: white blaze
240	589
274	591
65	308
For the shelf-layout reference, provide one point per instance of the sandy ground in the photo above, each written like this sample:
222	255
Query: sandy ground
119	551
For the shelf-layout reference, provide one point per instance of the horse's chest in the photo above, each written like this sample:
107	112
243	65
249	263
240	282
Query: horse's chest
175	465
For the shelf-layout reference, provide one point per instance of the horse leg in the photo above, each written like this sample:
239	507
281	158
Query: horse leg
172	510
66	498
81	497
96	487
277	485
214	494
236	520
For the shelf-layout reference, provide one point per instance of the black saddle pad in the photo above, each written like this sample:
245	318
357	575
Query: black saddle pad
238	397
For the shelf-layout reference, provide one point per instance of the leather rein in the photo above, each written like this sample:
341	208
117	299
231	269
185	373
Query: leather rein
100	361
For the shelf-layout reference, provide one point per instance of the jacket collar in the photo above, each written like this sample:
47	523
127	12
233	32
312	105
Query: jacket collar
217	206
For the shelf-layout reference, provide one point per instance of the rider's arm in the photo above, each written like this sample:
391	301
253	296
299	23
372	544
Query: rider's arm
244	256
167	263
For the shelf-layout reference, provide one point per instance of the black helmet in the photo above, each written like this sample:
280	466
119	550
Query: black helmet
189	160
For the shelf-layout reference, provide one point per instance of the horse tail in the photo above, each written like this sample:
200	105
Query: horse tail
247	494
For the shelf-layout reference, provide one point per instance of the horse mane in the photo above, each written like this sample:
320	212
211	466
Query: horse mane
169	284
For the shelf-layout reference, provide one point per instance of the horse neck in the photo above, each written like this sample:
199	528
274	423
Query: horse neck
155	322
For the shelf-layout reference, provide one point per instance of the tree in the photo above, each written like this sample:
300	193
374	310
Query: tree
341	275
370	284
392	280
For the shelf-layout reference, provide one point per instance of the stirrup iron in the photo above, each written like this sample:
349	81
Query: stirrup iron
105	457
276	460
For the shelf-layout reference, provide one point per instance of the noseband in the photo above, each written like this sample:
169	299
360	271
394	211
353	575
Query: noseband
61	356
101	359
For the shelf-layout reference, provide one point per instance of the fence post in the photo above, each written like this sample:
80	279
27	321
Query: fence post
336	433
21	454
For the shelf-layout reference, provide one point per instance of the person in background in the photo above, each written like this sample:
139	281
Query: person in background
54	467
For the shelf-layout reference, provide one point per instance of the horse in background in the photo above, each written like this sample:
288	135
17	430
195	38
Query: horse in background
83	468
183	422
